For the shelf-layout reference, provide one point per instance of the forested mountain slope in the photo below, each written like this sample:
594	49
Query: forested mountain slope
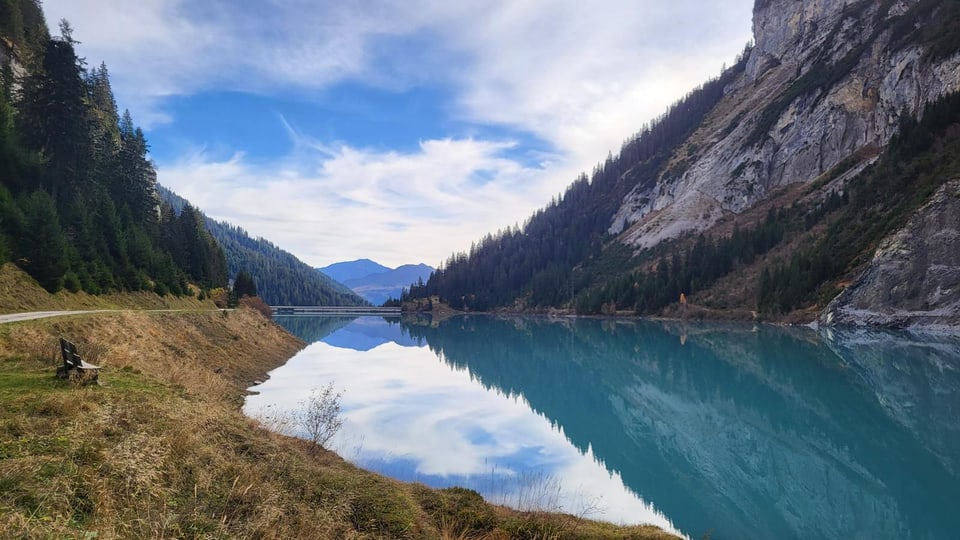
281	278
767	190
78	201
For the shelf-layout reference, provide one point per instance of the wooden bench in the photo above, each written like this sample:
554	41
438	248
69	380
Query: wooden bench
74	367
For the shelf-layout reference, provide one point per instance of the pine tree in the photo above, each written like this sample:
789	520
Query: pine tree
53	118
244	285
41	247
136	182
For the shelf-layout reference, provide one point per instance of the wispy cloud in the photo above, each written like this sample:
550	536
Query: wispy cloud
585	75
337	203
519	63
161	48
579	77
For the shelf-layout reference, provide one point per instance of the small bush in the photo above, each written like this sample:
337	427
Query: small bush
376	508
71	282
320	417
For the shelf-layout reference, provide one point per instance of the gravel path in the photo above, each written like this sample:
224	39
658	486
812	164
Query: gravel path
14	317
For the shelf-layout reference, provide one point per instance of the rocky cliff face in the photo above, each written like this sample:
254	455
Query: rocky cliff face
9	57
914	278
826	80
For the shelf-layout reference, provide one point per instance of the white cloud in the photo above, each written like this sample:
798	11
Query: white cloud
161	48
332	204
526	64
581	76
585	75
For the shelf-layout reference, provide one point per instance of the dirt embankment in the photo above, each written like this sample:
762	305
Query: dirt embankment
160	448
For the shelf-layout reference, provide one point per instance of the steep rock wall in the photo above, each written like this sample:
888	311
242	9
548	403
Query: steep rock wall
824	82
9	57
914	277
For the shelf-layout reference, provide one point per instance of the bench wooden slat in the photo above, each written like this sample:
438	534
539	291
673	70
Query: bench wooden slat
71	358
85	365
81	363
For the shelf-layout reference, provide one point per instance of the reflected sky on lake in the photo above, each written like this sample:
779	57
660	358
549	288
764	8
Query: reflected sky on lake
729	430
414	417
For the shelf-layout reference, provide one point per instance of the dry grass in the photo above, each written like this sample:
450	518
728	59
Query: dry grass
160	448
19	292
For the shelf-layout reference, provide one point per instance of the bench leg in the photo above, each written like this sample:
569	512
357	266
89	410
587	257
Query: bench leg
79	376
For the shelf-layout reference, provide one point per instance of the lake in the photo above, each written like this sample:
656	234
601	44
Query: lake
726	430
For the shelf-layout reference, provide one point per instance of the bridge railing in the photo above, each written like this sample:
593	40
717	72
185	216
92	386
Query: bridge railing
349	310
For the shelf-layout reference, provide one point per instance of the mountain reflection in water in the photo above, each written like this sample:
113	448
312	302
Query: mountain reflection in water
732	430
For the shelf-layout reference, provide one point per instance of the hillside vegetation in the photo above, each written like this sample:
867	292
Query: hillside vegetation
281	278
21	293
80	208
535	265
801	251
78	201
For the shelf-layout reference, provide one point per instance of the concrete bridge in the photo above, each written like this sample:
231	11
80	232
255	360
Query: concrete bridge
334	310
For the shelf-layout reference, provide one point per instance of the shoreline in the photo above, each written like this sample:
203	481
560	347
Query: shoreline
161	446
796	319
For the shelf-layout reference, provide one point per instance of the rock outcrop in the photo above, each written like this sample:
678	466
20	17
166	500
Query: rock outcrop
9	57
914	277
826	80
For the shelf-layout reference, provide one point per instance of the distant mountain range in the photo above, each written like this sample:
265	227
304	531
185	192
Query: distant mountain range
281	278
375	282
360	268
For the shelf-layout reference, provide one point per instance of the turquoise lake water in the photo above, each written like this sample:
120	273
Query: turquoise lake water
726	430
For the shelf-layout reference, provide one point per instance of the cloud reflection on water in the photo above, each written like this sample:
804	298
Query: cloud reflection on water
739	431
411	416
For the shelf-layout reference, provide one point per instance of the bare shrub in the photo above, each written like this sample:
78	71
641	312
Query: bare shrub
320	415
254	302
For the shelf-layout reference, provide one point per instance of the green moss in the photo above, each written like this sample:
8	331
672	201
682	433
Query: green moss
377	508
457	511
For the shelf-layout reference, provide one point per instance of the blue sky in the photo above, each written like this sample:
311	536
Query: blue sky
396	131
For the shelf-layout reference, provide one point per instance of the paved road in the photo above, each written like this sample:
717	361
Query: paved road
14	317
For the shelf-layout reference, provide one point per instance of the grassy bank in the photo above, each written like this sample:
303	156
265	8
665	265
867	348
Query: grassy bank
160	448
19	292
